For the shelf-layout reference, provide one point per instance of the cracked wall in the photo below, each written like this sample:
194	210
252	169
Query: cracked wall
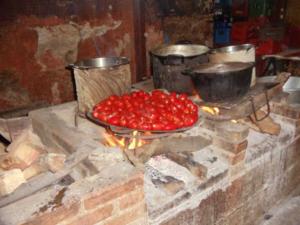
38	40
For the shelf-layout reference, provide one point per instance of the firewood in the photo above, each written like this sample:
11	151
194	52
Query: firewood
10	180
7	162
170	184
26	149
45	179
26	154
11	128
34	170
174	144
54	162
186	161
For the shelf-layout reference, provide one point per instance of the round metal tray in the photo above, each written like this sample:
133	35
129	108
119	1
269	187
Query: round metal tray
125	130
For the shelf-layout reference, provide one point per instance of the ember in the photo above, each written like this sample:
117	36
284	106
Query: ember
211	110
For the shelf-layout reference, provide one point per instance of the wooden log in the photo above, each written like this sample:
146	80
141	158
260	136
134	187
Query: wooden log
34	170
10	129
170	184
7	162
95	85
25	154
45	179
25	149
186	161
10	180
175	144
54	162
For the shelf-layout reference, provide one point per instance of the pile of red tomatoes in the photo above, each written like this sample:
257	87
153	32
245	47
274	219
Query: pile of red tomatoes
155	111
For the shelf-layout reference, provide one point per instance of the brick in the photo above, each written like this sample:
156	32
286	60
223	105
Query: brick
232	132
292	154
230	146
205	212
132	199
56	215
234	194
236	169
222	221
235	218
95	216
185	217
142	221
170	205
220	204
232	158
128	217
284	110
253	209
113	192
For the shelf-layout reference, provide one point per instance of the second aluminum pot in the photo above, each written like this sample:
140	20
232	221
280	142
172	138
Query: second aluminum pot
221	82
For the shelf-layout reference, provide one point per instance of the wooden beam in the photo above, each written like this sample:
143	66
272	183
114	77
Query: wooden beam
138	59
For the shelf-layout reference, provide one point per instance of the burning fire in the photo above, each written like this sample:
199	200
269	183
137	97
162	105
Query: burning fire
212	110
234	121
122	142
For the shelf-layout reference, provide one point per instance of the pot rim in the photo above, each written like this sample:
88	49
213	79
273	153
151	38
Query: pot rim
100	62
234	48
181	50
218	68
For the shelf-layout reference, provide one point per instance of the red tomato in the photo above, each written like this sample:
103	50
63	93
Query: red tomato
114	120
183	97
154	111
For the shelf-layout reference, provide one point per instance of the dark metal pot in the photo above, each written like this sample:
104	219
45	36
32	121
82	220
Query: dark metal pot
221	82
168	61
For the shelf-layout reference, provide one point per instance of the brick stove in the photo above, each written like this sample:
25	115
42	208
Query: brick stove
233	179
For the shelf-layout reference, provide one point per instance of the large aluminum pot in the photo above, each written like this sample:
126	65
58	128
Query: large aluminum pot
168	61
98	78
216	82
235	53
100	63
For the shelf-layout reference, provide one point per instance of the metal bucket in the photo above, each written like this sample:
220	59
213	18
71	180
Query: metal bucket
169	61
98	78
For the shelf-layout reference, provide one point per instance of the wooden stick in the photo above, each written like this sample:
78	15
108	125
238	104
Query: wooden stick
41	181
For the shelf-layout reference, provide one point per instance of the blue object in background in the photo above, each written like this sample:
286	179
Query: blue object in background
222	33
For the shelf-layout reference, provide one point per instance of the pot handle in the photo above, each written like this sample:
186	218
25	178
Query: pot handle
71	67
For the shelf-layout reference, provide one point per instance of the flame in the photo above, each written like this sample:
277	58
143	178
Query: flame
213	110
234	121
122	142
